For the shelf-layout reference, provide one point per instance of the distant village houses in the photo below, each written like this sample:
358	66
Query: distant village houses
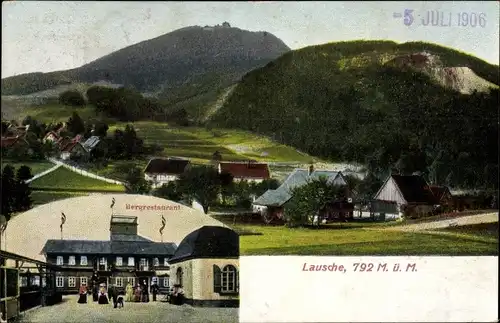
163	170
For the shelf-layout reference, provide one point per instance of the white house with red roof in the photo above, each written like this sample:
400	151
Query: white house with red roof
249	171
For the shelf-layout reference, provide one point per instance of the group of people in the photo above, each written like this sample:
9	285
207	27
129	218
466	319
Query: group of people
139	293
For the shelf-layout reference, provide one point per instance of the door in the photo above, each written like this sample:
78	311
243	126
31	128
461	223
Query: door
144	281
102	280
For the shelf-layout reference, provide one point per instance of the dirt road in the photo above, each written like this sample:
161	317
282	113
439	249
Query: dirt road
460	221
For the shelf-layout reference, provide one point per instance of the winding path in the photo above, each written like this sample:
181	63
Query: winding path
440	224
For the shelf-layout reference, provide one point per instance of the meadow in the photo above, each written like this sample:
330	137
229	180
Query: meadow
361	241
363	238
65	180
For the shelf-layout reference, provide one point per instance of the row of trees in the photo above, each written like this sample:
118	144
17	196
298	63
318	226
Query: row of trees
16	194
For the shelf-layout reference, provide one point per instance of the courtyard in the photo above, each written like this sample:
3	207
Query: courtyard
70	311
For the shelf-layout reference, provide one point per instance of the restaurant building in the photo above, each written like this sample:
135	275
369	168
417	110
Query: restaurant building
125	258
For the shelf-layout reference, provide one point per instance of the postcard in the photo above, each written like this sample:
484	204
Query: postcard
259	161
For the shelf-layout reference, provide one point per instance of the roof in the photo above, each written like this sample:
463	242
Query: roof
297	178
208	242
439	191
51	133
128	237
246	169
166	166
89	247
68	147
8	141
91	143
414	189
123	219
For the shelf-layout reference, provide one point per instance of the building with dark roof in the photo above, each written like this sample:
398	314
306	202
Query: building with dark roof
163	170
206	265
408	191
249	171
125	258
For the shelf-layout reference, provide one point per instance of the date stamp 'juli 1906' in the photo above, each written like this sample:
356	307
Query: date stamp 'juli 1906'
436	18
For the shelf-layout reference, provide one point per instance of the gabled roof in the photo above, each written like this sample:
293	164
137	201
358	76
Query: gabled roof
91	143
8	141
414	189
208	242
297	178
115	247
246	169
56	136
439	191
166	166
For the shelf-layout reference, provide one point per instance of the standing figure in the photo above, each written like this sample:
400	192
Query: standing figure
145	292
130	293
83	294
95	292
103	296
137	293
154	290
112	292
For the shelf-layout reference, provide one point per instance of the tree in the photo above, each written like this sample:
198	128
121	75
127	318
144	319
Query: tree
169	191
136	182
100	129
201	183
8	188
227	185
75	124
22	197
309	199
72	97
24	173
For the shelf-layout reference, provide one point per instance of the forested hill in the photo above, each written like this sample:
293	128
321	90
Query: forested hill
175	66
406	107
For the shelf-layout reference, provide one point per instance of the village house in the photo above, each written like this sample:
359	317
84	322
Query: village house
125	258
443	196
272	203
73	149
54	135
206	266
248	171
411	193
163	170
17	131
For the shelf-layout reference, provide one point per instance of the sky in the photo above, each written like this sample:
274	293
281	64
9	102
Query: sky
44	36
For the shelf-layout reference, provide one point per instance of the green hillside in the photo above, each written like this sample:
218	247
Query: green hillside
378	102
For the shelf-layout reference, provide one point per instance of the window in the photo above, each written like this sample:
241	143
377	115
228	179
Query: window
71	281
166	282
23	281
59	281
83	281
143	264
131	280
131	261
103	263
119	261
156	262
178	276
228	279
119	282
60	260
165	262
71	260
83	261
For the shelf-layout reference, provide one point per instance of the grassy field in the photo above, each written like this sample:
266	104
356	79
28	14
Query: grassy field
63	179
36	166
43	197
277	240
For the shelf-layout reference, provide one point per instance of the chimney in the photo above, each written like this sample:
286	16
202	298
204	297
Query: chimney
311	169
